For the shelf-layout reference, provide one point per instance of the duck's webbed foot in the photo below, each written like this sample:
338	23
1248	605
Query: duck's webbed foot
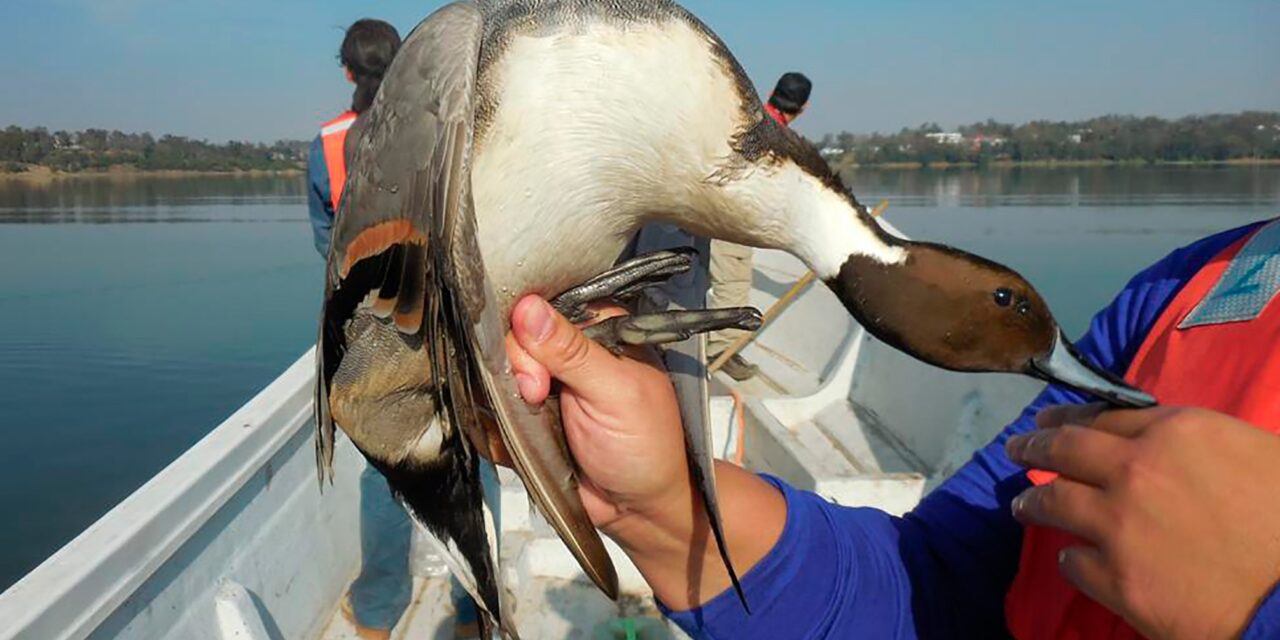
623	282
630	278
670	326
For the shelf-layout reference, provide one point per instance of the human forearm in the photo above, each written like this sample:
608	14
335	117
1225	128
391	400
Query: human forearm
809	567
672	545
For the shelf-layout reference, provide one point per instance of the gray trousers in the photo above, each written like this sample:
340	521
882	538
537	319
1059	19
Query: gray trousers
730	287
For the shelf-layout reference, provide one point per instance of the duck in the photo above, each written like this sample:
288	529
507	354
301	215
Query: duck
515	147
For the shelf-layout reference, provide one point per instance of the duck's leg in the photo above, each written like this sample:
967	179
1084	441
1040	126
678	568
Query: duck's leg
624	281
670	326
628	279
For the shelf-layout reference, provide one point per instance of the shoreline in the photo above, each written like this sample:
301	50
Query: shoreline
41	174
44	174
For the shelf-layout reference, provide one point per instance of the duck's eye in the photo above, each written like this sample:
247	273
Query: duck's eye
1004	297
1024	307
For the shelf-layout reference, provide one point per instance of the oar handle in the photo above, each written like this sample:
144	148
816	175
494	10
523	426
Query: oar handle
778	307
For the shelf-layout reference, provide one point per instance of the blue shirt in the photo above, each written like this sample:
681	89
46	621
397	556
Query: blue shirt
941	571
319	197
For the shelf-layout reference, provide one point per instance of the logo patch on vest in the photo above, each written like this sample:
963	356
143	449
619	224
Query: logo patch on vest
1250	282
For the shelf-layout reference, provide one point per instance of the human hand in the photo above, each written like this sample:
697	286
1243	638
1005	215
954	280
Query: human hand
619	413
623	427
1179	505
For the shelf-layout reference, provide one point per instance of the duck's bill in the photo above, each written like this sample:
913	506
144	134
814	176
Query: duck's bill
1064	365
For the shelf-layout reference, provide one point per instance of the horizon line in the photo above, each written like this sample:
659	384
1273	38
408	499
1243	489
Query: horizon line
1264	111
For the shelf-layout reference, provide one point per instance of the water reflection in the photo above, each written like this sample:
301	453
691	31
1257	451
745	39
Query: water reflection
123	343
1070	187
140	199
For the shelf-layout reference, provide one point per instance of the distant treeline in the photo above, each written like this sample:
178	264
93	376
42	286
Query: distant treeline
97	149
1252	135
1212	138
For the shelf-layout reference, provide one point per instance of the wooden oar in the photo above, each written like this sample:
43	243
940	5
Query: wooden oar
778	307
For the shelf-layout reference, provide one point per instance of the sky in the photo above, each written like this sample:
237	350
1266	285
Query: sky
263	70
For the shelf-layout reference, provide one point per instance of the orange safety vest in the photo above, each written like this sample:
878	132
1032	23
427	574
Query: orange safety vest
1213	347
334	138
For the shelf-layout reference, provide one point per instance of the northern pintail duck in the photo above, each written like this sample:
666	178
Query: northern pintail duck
515	147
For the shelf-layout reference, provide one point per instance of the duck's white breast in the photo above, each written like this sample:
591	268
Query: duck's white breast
596	130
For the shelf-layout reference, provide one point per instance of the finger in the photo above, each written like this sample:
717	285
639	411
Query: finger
532	378
1088	570
1065	505
1079	453
1062	415
559	346
1129	423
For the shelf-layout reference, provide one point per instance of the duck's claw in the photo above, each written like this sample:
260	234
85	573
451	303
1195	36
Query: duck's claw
670	326
624	281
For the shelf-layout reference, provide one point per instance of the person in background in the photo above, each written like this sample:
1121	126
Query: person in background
367	51
789	98
1157	523
731	263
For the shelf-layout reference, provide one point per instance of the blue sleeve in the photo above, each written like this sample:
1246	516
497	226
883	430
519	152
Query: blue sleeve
942	570
319	201
1266	622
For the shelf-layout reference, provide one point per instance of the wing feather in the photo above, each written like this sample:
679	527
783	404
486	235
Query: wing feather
389	290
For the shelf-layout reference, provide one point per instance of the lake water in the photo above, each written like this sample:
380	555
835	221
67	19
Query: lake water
136	314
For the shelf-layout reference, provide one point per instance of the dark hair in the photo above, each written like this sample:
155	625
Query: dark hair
792	93
367	51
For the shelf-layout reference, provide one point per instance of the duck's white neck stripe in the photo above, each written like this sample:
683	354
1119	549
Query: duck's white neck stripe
787	208
833	231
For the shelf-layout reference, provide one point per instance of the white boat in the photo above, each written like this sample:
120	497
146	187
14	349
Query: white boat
235	540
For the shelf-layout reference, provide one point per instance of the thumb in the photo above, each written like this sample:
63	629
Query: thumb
568	355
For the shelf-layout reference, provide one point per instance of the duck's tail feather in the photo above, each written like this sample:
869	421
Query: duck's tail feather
448	498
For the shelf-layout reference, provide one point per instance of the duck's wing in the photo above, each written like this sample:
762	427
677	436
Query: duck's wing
381	259
393	367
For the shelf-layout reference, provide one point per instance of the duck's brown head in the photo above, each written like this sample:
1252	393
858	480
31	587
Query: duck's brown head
962	312
946	307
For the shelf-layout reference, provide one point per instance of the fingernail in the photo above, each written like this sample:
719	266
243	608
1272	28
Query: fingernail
527	385
538	319
1018	504
1014	446
1046	416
